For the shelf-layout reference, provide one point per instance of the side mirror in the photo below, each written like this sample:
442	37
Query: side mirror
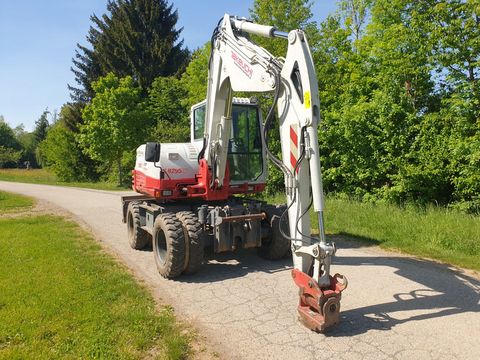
152	152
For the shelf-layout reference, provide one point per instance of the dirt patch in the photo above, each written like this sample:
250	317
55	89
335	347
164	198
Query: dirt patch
41	207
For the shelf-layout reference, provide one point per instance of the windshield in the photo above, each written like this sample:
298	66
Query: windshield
245	145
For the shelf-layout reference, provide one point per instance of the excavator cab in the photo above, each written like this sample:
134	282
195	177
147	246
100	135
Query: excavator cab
246	151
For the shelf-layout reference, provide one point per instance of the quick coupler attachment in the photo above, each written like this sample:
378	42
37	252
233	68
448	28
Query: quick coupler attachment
319	309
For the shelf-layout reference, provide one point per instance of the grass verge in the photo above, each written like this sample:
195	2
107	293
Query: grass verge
437	233
43	176
62	297
12	202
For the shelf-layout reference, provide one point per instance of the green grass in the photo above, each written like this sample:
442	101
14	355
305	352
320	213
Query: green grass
43	176
12	202
62	297
437	233
449	236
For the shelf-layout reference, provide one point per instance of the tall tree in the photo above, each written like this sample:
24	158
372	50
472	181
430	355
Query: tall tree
41	127
453	28
399	101
135	38
169	112
7	135
116	120
195	78
71	115
355	13
10	148
28	143
374	88
453	39
284	15
62	153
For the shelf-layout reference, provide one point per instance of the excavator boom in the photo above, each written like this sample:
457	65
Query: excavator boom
238	64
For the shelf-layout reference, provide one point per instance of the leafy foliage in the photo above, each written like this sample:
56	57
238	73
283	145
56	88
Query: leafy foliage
7	136
171	116
8	156
64	156
195	78
285	16
41	127
355	13
398	82
401	121
115	121
39	134
10	148
28	144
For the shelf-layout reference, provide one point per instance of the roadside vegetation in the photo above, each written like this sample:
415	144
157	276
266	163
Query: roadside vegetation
434	232
13	203
446	235
46	177
62	296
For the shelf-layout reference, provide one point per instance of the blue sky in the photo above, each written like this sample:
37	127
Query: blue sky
38	39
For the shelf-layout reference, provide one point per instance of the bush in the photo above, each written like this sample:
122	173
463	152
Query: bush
62	154
9	157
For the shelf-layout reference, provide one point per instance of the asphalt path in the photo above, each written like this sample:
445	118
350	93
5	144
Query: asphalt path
395	307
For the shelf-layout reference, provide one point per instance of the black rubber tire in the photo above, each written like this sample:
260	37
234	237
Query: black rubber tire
274	246
137	237
168	245
194	242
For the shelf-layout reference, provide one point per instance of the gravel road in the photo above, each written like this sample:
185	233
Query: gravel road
395	307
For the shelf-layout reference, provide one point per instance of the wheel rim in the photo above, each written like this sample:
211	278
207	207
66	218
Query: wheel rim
161	247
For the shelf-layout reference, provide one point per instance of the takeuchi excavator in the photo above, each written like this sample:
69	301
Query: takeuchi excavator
198	194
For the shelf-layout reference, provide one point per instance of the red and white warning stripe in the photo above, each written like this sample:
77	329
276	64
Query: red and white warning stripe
293	145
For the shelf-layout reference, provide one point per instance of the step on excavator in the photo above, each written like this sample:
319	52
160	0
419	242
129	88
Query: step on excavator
196	195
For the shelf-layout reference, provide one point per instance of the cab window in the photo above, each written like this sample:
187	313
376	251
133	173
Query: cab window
198	122
245	145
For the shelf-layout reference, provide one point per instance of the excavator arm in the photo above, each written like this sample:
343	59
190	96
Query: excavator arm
238	64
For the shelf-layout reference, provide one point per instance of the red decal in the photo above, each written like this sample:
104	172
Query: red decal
242	64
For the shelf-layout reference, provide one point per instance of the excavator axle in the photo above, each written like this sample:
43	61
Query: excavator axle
319	308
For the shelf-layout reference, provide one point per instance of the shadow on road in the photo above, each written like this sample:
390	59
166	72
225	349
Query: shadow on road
230	265
225	266
444	291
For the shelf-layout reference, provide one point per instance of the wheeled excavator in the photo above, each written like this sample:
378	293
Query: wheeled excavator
198	194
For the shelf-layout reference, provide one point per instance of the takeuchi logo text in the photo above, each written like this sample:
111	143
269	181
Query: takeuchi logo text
242	64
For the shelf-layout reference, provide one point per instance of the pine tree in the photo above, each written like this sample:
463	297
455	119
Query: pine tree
41	127
135	38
